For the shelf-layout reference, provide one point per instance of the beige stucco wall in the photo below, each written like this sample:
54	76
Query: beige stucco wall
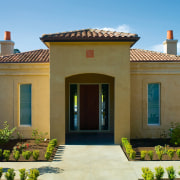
111	59
168	75
11	76
128	83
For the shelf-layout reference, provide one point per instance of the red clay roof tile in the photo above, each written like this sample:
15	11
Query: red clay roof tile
89	35
42	56
36	56
140	55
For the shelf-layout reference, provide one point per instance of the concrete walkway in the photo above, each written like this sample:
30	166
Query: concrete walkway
89	162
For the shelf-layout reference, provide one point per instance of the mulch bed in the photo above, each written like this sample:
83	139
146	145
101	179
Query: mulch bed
149	144
32	146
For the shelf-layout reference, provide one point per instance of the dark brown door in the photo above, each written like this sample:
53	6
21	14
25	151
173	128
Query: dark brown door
89	107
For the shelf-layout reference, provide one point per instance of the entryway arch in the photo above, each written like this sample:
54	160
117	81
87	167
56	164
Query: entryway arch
89	103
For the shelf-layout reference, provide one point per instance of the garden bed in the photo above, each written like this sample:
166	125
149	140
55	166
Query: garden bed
139	145
31	146
162	179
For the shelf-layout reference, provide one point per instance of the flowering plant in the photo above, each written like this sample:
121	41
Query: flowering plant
20	147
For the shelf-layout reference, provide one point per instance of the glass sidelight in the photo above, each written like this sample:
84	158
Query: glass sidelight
73	107
104	106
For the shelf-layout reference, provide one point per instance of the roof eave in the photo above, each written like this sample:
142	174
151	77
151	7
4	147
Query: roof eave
123	39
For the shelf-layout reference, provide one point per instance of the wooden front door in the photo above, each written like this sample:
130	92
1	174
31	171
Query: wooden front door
89	107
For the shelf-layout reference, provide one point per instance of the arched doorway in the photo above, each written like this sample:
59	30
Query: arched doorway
89	104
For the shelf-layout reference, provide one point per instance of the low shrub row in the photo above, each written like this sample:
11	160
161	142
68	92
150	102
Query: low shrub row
16	154
159	173
160	151
52	144
10	174
128	147
27	154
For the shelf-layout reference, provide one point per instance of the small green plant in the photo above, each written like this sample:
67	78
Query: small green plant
128	149
171	153
160	155
159	172
38	136
50	148
6	154
161	148
132	154
178	153
34	173
174	133
1	153
143	154
6	133
10	174
53	142
147	174
16	155
150	154
1	172
160	151
171	173
48	155
35	155
124	141
26	154
23	174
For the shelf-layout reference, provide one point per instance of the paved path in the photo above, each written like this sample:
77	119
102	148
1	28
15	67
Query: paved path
90	162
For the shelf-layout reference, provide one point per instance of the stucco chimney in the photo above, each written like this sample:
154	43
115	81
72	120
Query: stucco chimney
6	46
170	45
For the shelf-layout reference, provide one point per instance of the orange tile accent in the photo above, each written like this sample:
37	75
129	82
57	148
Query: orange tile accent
90	53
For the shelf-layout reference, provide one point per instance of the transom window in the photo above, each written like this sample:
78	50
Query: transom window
154	104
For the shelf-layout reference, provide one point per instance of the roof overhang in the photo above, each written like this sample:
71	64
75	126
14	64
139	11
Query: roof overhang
89	35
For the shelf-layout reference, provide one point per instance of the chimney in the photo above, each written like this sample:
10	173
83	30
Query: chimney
170	45
6	46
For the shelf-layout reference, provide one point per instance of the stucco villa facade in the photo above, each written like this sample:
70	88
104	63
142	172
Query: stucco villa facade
90	81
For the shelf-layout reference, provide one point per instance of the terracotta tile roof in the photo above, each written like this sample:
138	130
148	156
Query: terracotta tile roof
36	56
89	35
140	55
42	56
